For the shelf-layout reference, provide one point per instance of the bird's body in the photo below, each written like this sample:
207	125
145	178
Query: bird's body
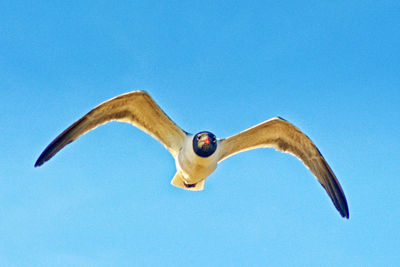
193	167
197	156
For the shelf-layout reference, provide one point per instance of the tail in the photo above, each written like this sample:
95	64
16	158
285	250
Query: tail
179	182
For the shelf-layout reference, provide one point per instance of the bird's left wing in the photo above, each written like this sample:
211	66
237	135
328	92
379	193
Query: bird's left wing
285	137
136	108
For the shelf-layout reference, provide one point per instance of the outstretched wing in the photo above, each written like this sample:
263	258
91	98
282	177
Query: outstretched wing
284	136
136	108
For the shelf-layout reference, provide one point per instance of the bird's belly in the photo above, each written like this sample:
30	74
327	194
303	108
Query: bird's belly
195	171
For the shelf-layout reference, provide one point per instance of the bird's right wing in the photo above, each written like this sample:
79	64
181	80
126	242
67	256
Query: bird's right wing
136	108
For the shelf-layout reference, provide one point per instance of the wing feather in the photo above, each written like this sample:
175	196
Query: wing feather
136	108
285	137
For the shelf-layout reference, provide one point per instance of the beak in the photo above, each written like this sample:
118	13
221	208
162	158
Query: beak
206	141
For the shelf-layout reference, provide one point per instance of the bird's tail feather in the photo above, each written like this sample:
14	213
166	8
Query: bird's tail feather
179	182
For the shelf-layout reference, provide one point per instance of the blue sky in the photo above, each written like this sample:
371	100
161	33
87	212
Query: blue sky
329	67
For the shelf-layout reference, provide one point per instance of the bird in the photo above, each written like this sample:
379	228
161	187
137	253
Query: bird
198	155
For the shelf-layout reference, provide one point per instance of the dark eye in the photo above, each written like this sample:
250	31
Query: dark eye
198	137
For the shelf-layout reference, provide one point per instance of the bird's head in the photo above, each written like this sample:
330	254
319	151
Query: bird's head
204	144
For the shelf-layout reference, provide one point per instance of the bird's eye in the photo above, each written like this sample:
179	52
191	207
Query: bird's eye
198	137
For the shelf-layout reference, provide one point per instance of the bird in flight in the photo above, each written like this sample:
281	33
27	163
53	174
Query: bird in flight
197	155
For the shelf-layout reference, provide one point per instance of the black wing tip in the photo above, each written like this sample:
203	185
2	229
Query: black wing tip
341	206
45	156
39	162
341	203
345	213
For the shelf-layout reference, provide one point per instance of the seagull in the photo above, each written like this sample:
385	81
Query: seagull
197	155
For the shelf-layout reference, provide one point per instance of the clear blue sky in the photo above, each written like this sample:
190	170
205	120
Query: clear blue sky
332	68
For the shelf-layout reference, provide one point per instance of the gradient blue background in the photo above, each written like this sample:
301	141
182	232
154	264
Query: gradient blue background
330	67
